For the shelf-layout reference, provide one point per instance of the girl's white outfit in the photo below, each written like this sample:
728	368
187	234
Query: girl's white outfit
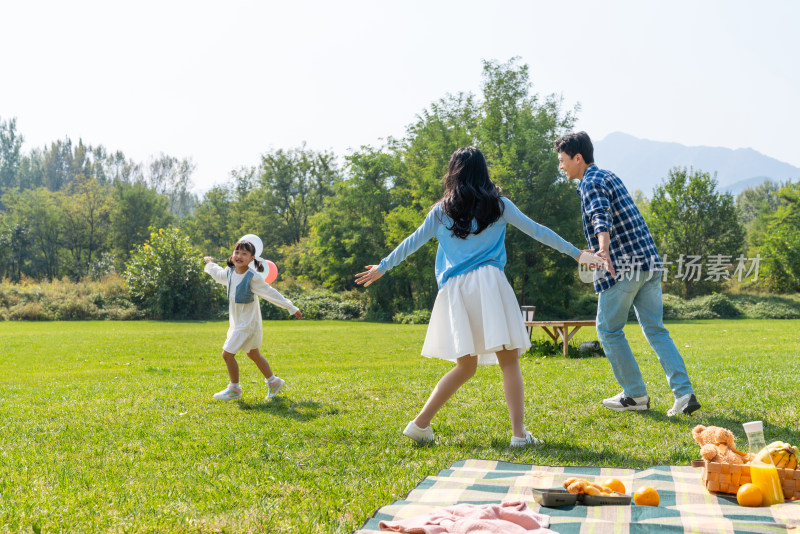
245	331
476	312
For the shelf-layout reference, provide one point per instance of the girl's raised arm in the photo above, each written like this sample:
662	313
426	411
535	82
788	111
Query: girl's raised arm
266	291
411	244
216	272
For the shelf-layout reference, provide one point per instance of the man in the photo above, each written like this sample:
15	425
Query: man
616	230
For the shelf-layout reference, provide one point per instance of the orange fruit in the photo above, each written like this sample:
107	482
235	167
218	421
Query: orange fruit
615	484
646	496
749	495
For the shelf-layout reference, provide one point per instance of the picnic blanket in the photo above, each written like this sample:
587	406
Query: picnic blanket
686	506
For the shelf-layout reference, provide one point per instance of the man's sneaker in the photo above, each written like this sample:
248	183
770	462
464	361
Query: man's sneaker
527	440
621	402
420	435
687	405
275	386
229	393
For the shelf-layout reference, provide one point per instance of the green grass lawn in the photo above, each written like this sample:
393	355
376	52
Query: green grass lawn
110	426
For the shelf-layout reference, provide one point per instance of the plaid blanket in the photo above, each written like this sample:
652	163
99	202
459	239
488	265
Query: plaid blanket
686	506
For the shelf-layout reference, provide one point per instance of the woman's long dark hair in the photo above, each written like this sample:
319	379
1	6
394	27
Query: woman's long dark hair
469	193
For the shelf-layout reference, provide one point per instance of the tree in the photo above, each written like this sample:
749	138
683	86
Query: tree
136	208
691	219
386	194
448	124
166	279
515	129
349	230
755	206
118	168
86	210
763	198
171	177
642	203
56	165
781	248
10	145
38	211
212	226
31	171
289	187
517	132
14	249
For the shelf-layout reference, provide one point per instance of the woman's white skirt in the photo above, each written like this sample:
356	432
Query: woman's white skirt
475	313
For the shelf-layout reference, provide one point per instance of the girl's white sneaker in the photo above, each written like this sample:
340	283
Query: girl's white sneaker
527	440
275	387
229	393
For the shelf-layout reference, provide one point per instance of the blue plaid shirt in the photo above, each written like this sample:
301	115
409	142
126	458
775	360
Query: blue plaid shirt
608	207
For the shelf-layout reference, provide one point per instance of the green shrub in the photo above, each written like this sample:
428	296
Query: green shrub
124	313
75	307
67	300
714	306
318	304
29	311
673	306
548	347
717	306
166	279
720	305
415	317
584	306
772	310
351	309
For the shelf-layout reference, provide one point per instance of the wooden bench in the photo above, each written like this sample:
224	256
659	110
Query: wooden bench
561	329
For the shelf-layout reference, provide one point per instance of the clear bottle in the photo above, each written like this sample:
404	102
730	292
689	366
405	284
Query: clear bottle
762	469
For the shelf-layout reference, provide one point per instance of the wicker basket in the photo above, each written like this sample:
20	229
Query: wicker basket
727	478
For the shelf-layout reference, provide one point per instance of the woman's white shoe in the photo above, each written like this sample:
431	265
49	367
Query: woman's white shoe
527	440
420	435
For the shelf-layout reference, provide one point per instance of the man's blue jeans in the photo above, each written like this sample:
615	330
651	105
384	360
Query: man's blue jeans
642	290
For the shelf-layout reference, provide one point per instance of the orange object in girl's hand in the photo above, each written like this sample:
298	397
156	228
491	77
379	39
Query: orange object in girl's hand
646	496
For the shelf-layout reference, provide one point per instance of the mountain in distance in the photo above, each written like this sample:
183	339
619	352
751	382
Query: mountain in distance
644	164
737	187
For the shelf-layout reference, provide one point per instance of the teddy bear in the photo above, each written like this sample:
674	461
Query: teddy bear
717	445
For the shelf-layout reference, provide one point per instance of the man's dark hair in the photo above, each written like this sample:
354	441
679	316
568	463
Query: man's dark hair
576	143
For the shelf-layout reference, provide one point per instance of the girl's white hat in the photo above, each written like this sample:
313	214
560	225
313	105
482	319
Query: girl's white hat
271	270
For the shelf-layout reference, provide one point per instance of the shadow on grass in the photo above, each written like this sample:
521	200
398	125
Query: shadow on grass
285	407
734	424
553	453
557	453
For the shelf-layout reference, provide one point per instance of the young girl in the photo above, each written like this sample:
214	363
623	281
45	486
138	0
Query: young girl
245	315
476	318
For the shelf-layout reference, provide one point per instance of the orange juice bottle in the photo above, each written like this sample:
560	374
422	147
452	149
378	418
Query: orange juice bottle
762	469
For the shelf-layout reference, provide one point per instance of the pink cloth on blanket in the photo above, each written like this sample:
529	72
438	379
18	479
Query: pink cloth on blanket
505	518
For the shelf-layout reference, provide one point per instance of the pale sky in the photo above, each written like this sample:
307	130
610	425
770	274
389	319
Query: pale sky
224	82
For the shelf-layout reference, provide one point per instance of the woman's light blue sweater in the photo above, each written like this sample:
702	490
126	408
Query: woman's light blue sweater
459	256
